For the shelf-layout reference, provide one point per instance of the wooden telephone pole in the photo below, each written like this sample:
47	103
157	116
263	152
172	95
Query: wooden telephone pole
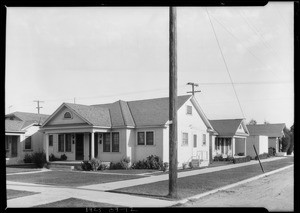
38	105
172	105
193	88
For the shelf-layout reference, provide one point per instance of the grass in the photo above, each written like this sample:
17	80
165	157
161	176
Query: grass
75	202
10	170
130	171
68	178
192	185
11	194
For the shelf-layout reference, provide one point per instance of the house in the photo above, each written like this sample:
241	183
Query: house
22	136
134	129
231	138
273	131
259	141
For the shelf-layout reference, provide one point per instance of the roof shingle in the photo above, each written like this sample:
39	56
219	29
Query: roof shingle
226	127
270	130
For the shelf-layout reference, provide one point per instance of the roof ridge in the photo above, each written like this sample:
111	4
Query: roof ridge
159	98
122	113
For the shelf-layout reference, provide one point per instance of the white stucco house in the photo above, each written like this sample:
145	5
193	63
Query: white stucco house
134	129
273	131
22	135
260	142
231	138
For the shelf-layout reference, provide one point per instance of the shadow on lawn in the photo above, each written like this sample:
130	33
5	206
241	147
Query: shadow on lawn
156	196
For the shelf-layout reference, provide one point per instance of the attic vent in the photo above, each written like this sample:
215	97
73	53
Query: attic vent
67	115
189	110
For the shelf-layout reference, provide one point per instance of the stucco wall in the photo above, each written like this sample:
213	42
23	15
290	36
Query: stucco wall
252	140
240	145
143	151
193	125
273	143
263	144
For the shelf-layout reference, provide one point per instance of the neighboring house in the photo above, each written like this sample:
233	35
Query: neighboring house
134	129
231	138
22	136
273	131
259	141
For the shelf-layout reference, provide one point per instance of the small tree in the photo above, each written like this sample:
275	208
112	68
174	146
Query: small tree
291	134
286	140
252	122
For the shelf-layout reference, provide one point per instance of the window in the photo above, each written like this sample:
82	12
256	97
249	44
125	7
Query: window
6	143
149	138
106	142
28	142
189	110
141	138
50	140
195	141
61	142
67	115
115	142
68	143
204	139
185	139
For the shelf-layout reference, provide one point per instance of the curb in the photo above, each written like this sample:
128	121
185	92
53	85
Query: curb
183	201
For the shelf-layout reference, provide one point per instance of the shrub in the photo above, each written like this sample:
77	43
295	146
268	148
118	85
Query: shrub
125	162
116	165
39	158
86	165
242	159
102	167
218	158
241	154
262	156
53	158
165	166
184	165
229	158
152	162
27	158
63	157
95	163
191	165
272	151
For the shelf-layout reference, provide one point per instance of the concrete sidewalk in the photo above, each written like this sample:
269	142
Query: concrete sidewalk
152	179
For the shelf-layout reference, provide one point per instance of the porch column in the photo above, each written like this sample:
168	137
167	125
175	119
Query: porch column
245	147
92	145
233	147
46	146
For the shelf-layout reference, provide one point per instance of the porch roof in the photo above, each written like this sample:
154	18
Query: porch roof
226	127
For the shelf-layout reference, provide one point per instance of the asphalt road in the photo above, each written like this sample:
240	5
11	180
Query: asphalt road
274	192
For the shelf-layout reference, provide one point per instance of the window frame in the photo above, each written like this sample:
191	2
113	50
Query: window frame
104	144
50	144
144	140
189	110
112	141
27	139
6	143
71	116
204	139
61	142
182	139
152	138
195	142
66	142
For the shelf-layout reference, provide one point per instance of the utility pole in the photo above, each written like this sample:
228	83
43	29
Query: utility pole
193	85
38	105
172	105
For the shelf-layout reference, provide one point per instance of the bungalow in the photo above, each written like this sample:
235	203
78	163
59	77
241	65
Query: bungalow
274	132
22	136
231	138
134	129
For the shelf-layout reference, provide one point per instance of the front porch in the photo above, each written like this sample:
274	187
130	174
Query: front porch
229	146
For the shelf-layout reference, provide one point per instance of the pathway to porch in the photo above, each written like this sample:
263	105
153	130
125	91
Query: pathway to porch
96	192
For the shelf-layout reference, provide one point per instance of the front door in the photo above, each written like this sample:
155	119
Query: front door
79	147
14	146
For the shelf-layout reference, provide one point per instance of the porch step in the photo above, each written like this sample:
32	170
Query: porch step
63	165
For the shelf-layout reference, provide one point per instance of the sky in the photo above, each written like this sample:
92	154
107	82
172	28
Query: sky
241	57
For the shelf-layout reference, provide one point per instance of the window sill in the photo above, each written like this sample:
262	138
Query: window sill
27	150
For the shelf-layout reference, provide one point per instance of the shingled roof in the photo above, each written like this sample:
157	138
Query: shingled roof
270	130
226	127
27	116
13	126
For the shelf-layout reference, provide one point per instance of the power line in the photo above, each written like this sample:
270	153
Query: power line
225	63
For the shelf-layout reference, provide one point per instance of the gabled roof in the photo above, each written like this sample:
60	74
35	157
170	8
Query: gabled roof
153	112
96	116
270	130
27	116
17	126
227	127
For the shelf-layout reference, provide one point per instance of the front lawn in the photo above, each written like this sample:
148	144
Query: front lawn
131	171
193	185
69	178
75	202
11	194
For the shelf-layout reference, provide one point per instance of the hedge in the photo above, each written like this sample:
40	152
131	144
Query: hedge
241	159
262	156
